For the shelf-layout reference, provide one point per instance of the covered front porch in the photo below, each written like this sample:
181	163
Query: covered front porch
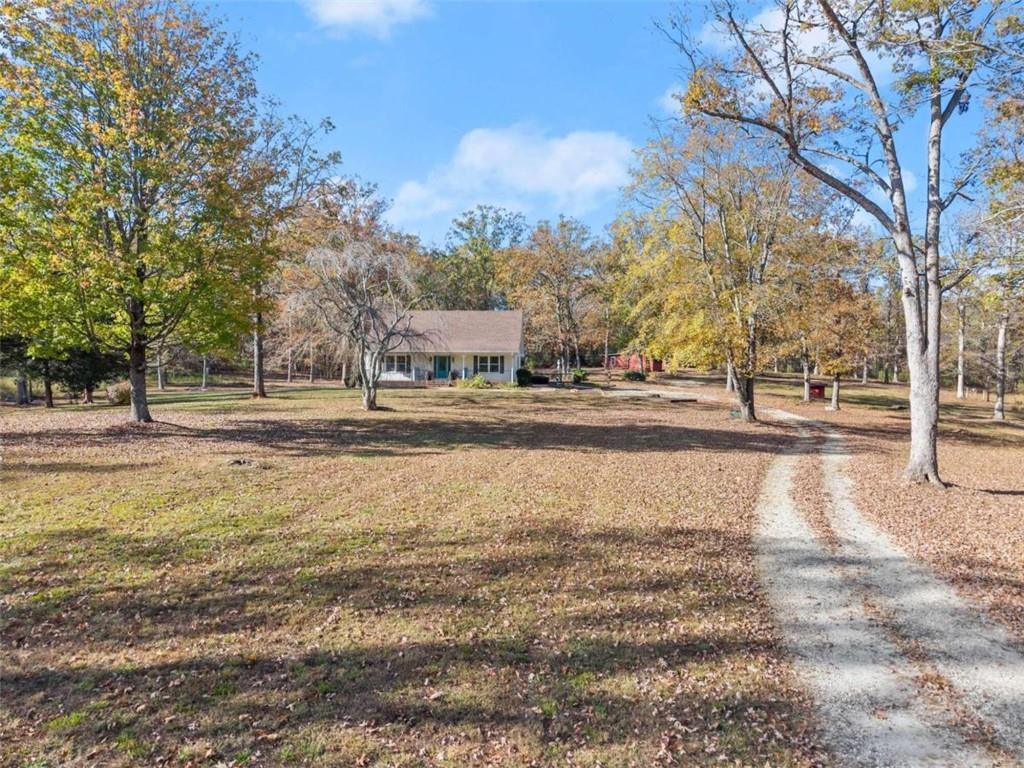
429	367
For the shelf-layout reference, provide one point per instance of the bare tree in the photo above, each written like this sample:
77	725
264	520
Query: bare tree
811	74
363	284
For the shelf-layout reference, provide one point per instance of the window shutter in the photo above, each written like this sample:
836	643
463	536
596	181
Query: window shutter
476	364
501	364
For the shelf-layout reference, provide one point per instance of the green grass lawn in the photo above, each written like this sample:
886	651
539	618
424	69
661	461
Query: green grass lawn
466	578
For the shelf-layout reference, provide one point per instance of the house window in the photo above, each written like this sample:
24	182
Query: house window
397	363
489	364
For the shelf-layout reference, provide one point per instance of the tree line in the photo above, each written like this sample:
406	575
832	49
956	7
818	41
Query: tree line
829	84
156	206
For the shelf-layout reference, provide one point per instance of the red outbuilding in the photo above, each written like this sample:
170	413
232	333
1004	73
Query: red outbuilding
625	361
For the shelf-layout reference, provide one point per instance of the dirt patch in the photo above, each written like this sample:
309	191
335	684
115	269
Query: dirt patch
976	656
809	494
973	532
864	688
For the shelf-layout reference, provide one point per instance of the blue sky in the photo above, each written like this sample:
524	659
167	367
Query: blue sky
445	104
532	105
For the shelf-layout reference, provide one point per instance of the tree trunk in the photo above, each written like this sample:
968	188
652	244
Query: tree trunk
310	363
895	373
834	406
344	373
607	336
291	365
137	377
160	370
807	380
961	333
775	365
864	373
745	394
368	380
999	410
88	400
730	377
923	465
922	308
22	397
206	369
369	396
47	388
259	388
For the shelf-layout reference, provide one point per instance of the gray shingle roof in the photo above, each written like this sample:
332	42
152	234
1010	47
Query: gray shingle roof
449	331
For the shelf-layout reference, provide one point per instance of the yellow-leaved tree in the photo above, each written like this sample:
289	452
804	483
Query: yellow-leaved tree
707	284
830	83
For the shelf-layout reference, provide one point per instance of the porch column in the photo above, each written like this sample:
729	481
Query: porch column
462	374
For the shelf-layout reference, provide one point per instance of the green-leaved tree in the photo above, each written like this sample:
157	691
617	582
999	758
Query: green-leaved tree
128	120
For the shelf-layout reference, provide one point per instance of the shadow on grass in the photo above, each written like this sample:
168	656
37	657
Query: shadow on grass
380	436
289	656
437	423
992	491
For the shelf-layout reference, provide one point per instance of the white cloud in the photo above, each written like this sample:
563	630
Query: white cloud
421	200
809	39
376	17
669	100
714	35
523	168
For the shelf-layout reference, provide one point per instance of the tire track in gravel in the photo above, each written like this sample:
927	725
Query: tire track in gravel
868	626
978	658
870	707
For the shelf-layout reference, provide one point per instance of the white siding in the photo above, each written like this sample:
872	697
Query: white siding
509	373
422	363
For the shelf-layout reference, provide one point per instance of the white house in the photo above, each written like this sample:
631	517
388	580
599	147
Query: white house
458	344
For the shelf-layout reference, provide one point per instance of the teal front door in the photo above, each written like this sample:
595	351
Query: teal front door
442	366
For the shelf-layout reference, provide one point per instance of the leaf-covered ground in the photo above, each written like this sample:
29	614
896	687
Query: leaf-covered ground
469	578
973	531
